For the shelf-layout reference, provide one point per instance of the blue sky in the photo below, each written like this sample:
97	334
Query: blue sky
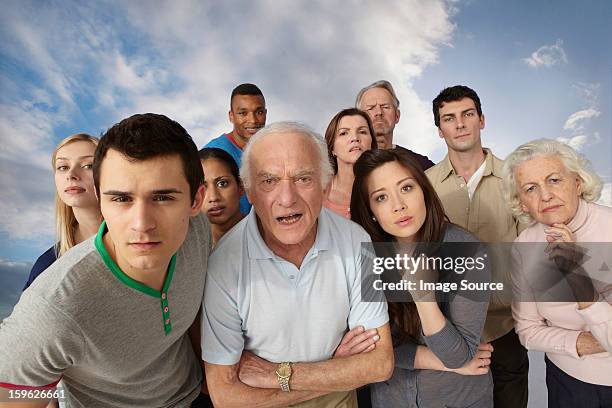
541	68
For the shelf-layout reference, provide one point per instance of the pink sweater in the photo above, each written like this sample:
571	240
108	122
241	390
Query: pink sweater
553	327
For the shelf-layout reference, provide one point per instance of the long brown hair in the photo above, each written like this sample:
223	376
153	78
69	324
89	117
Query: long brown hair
332	128
403	314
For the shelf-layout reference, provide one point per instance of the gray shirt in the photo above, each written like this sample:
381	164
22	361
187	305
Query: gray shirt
113	341
454	345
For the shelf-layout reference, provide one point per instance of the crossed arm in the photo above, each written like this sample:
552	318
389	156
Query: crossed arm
253	380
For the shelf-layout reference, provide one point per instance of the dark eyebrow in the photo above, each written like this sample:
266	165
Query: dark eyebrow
154	192
116	192
167	191
397	184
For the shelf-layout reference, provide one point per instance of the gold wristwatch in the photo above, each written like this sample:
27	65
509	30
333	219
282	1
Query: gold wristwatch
283	374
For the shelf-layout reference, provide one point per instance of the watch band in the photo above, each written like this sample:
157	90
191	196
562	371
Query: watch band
283	374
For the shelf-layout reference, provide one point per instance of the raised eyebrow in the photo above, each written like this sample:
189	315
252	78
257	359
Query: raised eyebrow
404	179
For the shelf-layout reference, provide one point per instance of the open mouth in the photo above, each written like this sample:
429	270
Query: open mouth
289	220
252	129
404	221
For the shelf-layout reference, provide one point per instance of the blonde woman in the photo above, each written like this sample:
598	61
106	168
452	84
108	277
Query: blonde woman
77	213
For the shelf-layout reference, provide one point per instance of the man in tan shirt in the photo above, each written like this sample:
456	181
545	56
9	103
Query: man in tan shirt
468	182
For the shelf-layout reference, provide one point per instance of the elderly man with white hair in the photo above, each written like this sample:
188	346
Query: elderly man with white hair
550	185
284	286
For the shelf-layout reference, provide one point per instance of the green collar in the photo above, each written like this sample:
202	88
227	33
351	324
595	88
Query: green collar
125	279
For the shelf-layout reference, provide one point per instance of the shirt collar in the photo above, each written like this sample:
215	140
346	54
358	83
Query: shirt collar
581	216
257	248
492	166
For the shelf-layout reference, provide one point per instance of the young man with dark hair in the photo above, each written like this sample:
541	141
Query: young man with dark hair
469	183
247	114
110	317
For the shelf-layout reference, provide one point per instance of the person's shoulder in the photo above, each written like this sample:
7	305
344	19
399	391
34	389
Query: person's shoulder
197	245
434	171
42	263
454	233
602	210
423	160
69	277
230	249
339	222
219	141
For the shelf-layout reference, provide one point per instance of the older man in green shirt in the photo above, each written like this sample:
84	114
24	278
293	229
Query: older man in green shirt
468	181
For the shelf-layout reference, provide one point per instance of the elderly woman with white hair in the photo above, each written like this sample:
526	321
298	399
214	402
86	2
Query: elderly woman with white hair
550	185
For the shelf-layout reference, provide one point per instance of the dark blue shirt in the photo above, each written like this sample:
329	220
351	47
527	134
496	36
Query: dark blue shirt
42	263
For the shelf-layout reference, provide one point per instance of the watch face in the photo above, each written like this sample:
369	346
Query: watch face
284	371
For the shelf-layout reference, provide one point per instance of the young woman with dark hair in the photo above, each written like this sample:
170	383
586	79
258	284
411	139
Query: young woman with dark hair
223	191
438	358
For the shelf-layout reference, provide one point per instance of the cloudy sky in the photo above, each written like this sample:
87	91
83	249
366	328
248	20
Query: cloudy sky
542	69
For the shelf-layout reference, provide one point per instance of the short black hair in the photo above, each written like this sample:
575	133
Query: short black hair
246	89
146	136
452	94
220	154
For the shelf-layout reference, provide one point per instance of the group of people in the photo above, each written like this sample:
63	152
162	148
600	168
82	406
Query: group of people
233	275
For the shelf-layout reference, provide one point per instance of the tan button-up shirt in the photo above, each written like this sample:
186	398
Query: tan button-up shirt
486	215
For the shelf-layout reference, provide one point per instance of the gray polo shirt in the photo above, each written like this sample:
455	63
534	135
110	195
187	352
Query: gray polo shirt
256	301
112	340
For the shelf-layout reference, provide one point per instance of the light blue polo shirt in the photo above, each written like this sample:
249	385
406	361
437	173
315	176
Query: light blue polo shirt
257	301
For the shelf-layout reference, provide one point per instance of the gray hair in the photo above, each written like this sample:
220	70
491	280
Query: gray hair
384	84
287	127
573	161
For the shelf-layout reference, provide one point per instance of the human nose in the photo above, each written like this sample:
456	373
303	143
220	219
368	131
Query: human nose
378	111
354	137
212	194
545	193
287	194
142	217
460	124
397	203
72	173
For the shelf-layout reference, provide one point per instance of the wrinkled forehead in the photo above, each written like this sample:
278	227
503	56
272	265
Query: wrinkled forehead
540	167
376	96
285	152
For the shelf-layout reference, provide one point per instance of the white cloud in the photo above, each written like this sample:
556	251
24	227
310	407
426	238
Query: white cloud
575	142
606	195
575	119
547	56
108	60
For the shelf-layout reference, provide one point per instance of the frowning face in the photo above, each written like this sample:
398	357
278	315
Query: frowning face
352	139
548	191
286	190
146	205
